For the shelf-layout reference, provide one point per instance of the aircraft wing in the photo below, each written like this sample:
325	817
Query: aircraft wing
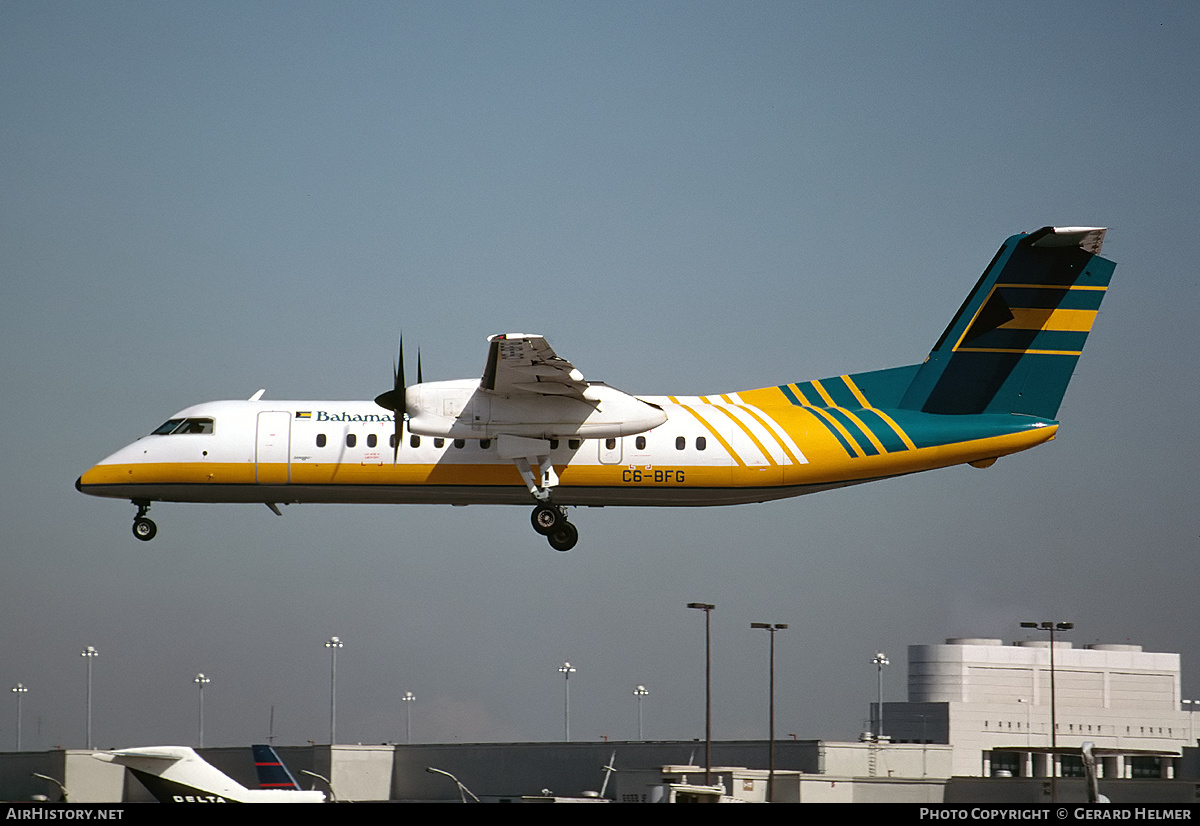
523	364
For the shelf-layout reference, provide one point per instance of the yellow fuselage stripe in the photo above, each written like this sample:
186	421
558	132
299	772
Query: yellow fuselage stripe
728	448
761	449
778	439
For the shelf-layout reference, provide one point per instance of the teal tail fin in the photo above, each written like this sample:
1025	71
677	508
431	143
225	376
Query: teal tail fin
1013	344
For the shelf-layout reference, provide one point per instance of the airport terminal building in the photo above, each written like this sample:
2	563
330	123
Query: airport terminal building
992	703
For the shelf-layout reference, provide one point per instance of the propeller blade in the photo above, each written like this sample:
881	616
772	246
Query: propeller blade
394	399
399	390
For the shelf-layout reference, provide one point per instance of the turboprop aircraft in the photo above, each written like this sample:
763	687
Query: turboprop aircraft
533	431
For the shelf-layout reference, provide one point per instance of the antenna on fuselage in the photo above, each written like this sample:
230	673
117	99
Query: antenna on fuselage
257	395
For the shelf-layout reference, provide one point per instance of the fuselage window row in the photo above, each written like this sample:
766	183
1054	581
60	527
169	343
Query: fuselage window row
206	426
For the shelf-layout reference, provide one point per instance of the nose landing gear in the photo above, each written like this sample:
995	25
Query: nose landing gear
143	528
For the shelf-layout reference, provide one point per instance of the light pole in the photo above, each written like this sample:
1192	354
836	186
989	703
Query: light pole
880	659
90	653
333	645
640	692
780	626
707	609
463	791
201	681
566	669
1052	627
20	690
409	698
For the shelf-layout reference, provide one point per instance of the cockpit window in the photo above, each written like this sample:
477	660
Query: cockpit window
167	427
173	426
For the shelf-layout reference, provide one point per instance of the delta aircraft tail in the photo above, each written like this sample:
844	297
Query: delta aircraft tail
272	773
176	774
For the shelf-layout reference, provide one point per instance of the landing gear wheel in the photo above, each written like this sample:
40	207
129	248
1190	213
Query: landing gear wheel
144	529
547	518
564	537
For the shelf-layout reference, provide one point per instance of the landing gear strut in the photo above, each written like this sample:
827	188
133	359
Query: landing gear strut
143	528
551	522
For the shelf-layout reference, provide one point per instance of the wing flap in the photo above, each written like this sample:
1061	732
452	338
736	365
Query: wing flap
520	364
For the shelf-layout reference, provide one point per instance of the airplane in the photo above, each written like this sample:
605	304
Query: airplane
177	774
533	431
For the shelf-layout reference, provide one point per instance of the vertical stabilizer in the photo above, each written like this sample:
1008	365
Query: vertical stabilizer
272	773
1013	344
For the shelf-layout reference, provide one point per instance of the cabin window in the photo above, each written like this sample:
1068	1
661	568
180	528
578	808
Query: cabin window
392	441
554	444
573	444
372	440
680	443
460	443
610	444
414	440
320	440
640	442
439	442
701	443
351	440
485	443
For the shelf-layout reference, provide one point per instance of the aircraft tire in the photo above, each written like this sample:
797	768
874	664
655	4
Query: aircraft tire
144	529
564	537
546	519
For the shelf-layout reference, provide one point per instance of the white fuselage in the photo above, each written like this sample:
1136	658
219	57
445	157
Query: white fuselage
708	450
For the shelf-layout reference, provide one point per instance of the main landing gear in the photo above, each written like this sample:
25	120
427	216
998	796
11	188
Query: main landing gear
551	522
143	528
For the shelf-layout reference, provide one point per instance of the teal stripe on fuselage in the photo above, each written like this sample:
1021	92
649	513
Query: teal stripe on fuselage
883	431
840	393
823	416
854	430
809	394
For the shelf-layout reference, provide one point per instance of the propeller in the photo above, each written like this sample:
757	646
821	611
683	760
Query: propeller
394	399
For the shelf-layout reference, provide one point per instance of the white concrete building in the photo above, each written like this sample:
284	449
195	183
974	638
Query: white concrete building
992	703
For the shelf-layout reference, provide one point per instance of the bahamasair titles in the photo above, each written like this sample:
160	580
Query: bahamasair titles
532	430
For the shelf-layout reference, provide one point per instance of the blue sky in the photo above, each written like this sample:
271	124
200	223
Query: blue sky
199	200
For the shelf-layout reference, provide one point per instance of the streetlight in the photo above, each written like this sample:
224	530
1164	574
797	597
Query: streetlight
707	609
409	698
880	660
566	669
333	645
779	626
89	654
640	692
1052	627
201	681
463	791
19	689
